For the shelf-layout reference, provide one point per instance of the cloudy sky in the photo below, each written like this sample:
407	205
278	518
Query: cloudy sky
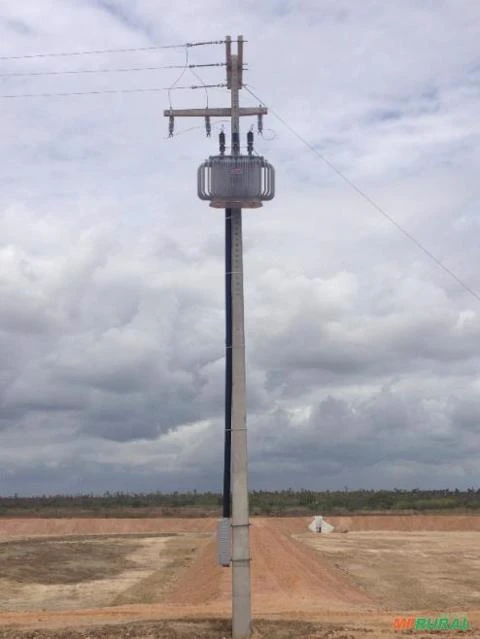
362	354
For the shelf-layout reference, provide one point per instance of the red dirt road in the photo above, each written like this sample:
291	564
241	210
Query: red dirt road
286	575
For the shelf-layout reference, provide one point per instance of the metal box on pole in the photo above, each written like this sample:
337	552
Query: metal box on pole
242	181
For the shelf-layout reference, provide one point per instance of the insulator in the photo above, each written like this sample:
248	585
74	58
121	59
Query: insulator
221	139
260	124
171	126
235	142
208	126
250	142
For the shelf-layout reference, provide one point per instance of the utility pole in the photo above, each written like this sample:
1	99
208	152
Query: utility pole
241	590
236	460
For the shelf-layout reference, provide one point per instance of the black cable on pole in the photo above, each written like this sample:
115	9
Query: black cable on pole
228	367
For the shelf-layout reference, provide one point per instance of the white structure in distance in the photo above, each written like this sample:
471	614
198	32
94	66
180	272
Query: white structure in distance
319	525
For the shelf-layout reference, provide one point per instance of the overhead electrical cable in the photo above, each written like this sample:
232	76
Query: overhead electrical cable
180	76
200	79
117	70
368	199
102	51
108	91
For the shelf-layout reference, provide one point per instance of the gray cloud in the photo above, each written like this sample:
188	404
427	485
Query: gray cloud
362	355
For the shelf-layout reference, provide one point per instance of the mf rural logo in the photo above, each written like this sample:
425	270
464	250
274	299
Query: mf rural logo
427	623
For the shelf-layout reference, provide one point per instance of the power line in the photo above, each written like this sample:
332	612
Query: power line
182	73
101	51
200	79
367	198
118	70
106	91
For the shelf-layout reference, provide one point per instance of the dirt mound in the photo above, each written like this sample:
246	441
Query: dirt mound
16	527
289	525
440	523
284	572
203	581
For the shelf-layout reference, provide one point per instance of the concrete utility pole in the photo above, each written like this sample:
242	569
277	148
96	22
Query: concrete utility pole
235	406
241	591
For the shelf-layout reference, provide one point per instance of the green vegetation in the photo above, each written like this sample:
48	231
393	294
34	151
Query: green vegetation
278	503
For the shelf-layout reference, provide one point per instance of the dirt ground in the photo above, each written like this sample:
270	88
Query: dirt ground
159	577
212	629
71	573
408	570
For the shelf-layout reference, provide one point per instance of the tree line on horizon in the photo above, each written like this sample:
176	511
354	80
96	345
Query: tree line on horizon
283	502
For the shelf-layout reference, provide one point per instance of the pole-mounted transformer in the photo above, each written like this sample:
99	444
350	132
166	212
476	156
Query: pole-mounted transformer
236	181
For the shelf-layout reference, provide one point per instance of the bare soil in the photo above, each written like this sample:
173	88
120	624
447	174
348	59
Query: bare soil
18	527
408	570
80	572
209	629
136	582
48	561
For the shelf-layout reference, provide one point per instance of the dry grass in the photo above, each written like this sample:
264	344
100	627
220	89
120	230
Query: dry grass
81	572
179	553
49	562
408	570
